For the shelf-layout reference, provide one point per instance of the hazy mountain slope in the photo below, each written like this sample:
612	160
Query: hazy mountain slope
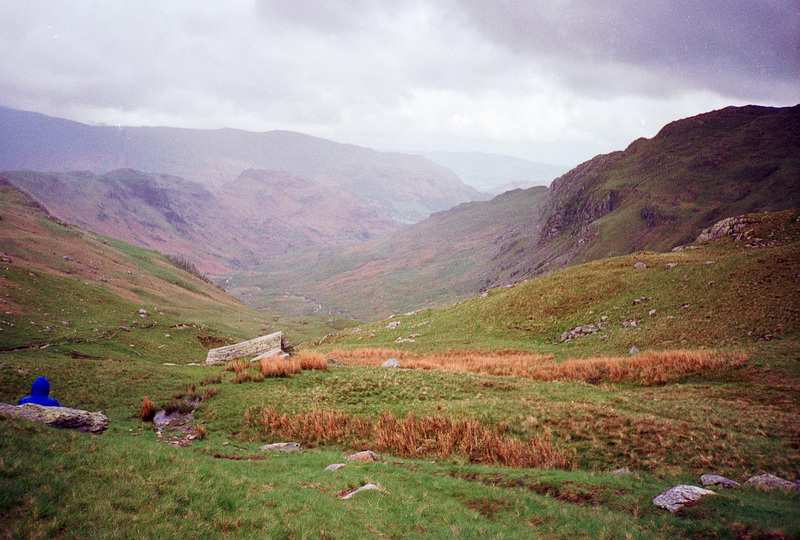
434	262
494	173
62	284
405	187
657	194
258	215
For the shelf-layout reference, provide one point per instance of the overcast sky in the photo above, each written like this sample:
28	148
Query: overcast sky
555	81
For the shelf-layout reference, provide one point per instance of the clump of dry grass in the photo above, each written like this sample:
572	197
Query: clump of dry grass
278	367
412	436
200	431
209	393
312	360
237	365
648	368
212	379
148	410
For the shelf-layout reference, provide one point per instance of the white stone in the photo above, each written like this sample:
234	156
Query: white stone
679	496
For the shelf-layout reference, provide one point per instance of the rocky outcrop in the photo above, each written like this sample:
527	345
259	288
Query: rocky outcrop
717	480
738	226
366	455
58	417
253	347
770	481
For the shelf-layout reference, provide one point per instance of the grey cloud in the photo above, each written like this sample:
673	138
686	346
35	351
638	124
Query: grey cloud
716	45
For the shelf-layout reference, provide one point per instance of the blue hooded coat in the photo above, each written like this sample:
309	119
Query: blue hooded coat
39	394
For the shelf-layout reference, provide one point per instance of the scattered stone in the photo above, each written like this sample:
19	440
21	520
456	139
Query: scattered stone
717	480
404	340
770	481
392	325
335	466
711	262
391	363
58	417
640	266
677	497
651	312
65	323
366	455
579	331
670	266
633	350
485	294
166	363
684	306
282	447
367	487
143	313
624	470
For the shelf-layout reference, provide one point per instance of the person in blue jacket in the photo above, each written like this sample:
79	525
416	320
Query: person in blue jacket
39	394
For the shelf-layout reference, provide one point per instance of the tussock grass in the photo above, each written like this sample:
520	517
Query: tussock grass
412	436
312	360
511	363
148	410
648	369
237	366
278	367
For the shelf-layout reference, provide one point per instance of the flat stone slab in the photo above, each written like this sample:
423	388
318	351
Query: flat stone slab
282	447
770	481
717	480
366	455
679	496
335	466
58	417
252	347
366	487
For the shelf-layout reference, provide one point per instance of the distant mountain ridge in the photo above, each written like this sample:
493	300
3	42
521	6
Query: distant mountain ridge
656	194
404	187
232	227
495	173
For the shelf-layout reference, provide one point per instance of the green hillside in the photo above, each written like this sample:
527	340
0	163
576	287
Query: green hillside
208	477
716	294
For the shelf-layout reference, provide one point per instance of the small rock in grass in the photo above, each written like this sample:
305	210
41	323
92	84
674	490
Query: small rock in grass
366	455
282	447
633	350
359	490
335	466
717	480
677	497
770	481
624	470
640	266
670	266
391	362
